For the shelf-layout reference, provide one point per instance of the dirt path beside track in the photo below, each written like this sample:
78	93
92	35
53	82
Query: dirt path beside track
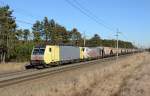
12	67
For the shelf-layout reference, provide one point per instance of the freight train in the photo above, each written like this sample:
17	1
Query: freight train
48	55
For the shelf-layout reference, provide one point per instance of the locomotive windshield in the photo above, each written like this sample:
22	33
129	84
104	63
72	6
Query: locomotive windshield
38	51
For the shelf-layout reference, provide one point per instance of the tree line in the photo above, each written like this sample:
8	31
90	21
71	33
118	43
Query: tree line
16	44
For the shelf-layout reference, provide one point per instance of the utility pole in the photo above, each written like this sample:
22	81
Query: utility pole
84	39
133	47
117	37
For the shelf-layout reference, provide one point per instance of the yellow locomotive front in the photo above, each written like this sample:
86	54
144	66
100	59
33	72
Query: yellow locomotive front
44	55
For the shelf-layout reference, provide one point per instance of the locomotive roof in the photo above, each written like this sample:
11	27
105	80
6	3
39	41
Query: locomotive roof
40	46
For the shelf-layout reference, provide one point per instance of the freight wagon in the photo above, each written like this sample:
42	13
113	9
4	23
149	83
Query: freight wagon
92	52
108	51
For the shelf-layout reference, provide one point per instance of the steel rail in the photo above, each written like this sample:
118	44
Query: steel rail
6	74
18	78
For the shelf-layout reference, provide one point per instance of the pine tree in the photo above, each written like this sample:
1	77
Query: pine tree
7	32
52	29
46	28
19	34
75	36
94	41
26	34
37	32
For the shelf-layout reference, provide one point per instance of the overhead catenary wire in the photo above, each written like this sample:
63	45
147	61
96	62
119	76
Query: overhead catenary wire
21	11
2	3
24	22
80	7
17	20
132	41
82	10
25	12
93	15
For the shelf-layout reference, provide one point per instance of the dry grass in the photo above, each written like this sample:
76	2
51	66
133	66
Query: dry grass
11	67
105	82
113	80
138	84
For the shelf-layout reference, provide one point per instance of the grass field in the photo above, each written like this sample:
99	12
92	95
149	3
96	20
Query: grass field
129	77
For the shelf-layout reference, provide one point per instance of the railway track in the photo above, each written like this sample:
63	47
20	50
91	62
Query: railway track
15	73
15	78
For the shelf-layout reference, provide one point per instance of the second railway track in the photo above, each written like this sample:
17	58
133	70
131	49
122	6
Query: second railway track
30	75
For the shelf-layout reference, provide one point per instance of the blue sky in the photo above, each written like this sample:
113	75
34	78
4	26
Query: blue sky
132	17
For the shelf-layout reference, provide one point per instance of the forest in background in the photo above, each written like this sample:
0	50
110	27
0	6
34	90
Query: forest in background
16	44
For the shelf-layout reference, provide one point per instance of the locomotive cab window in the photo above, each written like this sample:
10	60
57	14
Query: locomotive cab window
82	49
35	51
38	51
50	49
41	51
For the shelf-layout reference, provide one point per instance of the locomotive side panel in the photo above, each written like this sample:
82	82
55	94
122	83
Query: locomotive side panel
69	53
51	54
